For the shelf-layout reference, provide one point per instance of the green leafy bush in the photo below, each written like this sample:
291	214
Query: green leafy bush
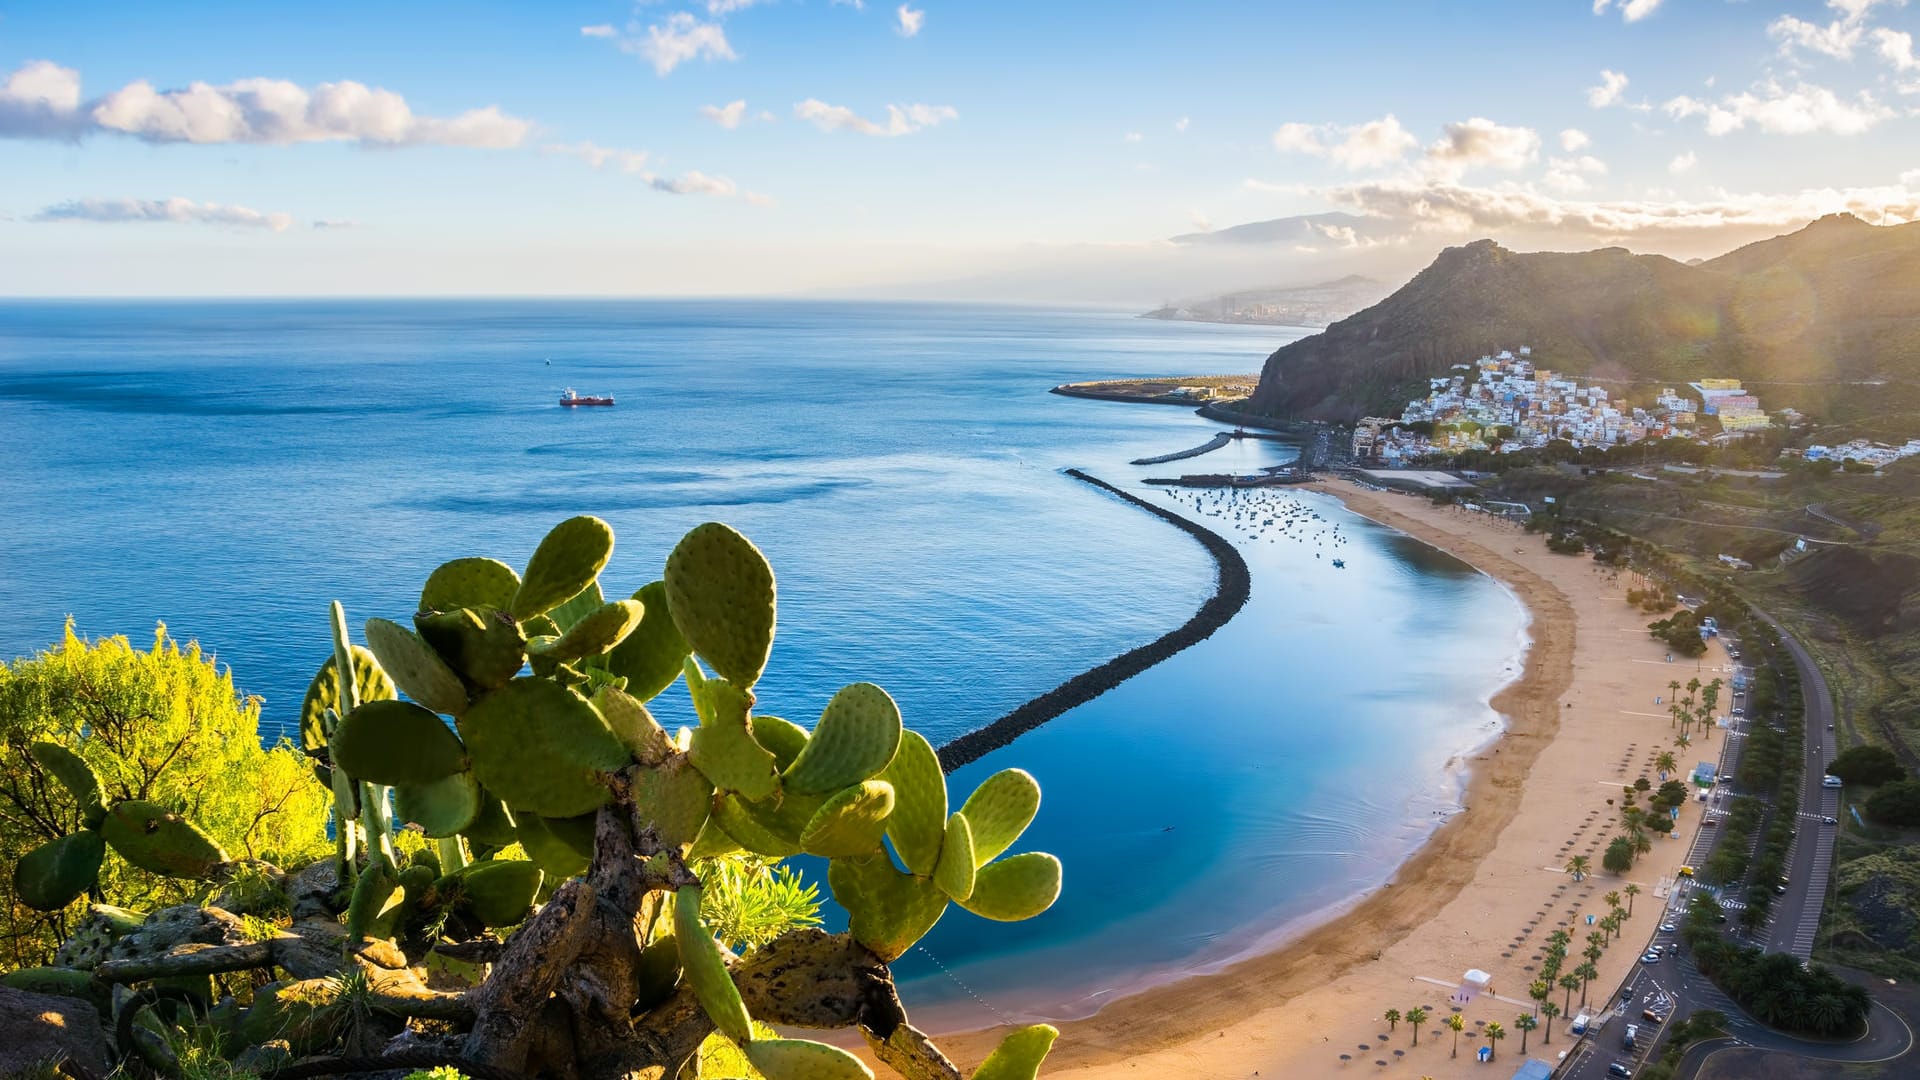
1866	765
163	725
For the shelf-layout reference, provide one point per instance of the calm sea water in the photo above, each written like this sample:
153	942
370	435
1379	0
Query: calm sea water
232	467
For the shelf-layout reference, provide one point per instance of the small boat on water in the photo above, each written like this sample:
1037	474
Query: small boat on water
1339	564
571	399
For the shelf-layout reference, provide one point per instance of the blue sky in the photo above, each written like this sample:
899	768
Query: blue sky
978	147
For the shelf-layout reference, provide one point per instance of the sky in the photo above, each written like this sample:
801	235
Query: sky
1045	150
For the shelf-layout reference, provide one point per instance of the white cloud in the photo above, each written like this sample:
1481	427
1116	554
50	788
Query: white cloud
1180	125
1630	10
910	20
727	7
1802	109
682	37
603	30
42	100
1361	146
600	158
1911	178
335	224
1612	85
1480	142
1453	208
177	210
636	163
1570	174
1683	163
1896	48
1573	139
728	116
1201	222
900	120
1133	137
1837	38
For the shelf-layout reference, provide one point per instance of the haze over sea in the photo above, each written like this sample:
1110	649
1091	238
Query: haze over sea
232	467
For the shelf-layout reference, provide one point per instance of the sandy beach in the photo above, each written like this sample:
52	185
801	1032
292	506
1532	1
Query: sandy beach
1484	892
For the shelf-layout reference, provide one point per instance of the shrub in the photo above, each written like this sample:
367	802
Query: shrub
1897	803
1867	765
163	725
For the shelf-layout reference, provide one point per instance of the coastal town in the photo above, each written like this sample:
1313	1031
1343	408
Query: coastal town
1506	403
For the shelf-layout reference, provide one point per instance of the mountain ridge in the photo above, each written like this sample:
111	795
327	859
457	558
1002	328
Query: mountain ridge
1812	317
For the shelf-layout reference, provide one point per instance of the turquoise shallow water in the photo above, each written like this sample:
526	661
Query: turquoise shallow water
231	467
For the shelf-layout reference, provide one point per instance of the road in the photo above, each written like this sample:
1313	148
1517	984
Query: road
1796	916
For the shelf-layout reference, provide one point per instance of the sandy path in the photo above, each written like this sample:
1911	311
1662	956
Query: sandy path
1484	892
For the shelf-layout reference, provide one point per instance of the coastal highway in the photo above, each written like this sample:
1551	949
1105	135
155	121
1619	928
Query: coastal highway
1796	916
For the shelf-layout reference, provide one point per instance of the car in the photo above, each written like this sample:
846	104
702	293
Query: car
1650	958
1720	918
1829	727
1708	823
1831	781
1780	890
1619	1068
1829	821
1657	1016
1668	928
1686	871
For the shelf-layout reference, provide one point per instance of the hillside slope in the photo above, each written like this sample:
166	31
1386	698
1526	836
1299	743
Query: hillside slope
1808	318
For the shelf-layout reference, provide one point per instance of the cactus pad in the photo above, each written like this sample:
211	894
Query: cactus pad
674	798
919	803
803	1059
542	747
755	829
397	742
483	645
783	739
723	746
577	607
568	560
851	822
712	842
955	871
156	839
493	825
57	872
499	891
1019	1055
469	583
633	725
71	770
706	969
376	897
1015	888
415	667
720	591
650	657
888	911
856	738
999	810
445	807
596	632
547	850
323	693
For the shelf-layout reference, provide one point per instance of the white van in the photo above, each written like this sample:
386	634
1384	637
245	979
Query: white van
1831	781
1580	1024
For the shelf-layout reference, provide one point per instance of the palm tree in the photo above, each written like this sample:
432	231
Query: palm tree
1494	1034
1393	1018
1633	890
1547	1013
1641	842
1569	983
1682	741
1415	1017
1579	866
1525	1022
1456	1024
1587	972
1540	990
1612	898
1665	763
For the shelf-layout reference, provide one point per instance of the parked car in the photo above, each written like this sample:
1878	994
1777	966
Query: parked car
1831	781
1668	928
1650	958
1619	1068
1686	871
1829	821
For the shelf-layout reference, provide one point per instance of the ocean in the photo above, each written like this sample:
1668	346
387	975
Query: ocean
230	467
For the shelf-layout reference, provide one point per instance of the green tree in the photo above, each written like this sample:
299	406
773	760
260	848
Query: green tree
1579	867
1619	856
1897	803
1665	763
1415	1017
1632	891
1866	765
1570	983
1456	1024
1494	1034
1547	1013
1612	898
1587	972
1525	1023
163	725
1393	1019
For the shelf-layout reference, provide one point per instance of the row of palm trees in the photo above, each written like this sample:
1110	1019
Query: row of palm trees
1686	713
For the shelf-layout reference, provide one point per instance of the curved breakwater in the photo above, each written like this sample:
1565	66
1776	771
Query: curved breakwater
1233	584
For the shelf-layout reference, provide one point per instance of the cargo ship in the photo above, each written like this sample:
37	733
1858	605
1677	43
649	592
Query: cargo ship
570	399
